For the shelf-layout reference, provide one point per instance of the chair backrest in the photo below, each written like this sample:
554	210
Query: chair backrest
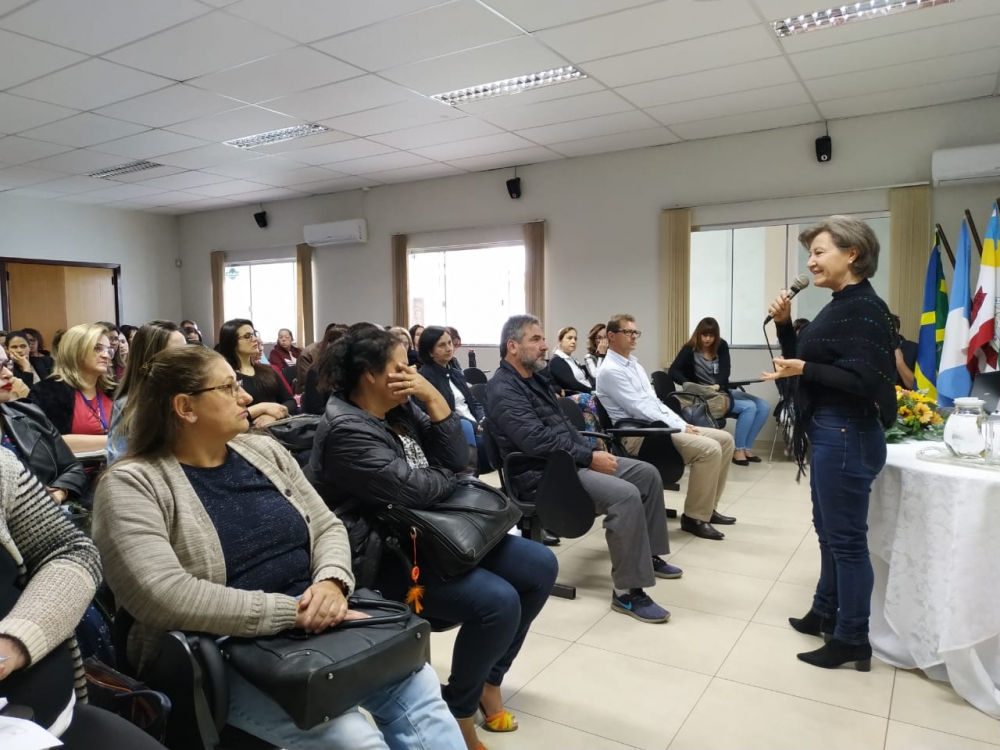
473	376
663	386
602	415
479	393
493	452
572	411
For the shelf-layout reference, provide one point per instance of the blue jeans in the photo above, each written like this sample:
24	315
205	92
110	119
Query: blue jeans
848	451
475	440
751	415
411	715
495	603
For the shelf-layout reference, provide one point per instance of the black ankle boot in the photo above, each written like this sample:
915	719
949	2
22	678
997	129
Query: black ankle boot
837	653
814	624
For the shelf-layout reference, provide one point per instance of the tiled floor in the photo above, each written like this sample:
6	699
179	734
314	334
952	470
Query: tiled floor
722	673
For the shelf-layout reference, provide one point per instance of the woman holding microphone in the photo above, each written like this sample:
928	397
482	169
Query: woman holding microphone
843	397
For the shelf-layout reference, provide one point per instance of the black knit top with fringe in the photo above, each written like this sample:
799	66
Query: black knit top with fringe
850	358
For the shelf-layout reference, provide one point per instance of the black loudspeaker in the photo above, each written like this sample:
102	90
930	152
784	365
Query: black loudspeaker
261	218
824	149
514	187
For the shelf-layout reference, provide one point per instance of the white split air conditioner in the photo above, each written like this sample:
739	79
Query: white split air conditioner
350	232
966	166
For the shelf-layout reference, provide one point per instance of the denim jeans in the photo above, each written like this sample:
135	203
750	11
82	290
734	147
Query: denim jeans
475	440
495	603
751	416
848	451
410	714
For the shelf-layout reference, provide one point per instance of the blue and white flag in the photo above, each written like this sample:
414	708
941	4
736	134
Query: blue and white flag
954	380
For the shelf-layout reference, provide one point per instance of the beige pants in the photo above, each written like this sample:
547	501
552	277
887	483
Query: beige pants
708	457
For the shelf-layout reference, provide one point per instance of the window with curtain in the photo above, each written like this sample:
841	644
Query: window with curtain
473	288
263	292
737	271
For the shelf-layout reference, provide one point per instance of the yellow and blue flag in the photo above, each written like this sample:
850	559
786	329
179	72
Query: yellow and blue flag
932	320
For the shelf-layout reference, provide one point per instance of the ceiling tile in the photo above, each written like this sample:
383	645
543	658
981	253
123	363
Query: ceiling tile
220	40
533	96
80	161
508	59
22	59
6	6
287	72
83	130
534	15
268	194
341	98
309	20
295	144
236	123
381	163
356	148
184	180
169	106
91	198
419	36
419	172
409	114
775	9
729	80
223	189
648	26
491	144
251	169
589	128
559	110
163	199
775	118
151	144
32	193
76	184
519	157
442	132
291	177
206	156
918	96
717	51
91	84
122	193
148	174
755	100
18	113
336	186
17	150
96	26
205	204
616	142
15	177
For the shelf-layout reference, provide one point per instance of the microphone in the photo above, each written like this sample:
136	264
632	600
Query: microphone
800	283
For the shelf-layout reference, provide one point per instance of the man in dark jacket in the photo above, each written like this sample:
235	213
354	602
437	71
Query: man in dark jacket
524	416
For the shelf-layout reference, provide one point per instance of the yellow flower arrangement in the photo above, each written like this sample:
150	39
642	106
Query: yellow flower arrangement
917	418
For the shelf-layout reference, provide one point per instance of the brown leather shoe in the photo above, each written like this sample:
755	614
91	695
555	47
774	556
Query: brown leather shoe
701	528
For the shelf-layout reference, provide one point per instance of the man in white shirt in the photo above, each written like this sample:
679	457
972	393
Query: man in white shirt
626	393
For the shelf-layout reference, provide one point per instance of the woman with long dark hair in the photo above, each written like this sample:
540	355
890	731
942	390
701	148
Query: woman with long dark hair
318	389
26	366
597	348
271	398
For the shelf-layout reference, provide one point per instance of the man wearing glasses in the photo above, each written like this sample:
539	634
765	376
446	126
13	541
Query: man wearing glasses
626	393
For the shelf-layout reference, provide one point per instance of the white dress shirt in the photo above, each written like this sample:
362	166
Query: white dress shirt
626	393
578	373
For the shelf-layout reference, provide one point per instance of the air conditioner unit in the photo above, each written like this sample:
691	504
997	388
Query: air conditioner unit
966	166
350	232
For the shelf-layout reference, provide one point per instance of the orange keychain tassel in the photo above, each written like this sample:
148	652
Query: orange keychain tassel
416	591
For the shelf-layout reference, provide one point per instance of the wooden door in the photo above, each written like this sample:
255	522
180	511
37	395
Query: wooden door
90	295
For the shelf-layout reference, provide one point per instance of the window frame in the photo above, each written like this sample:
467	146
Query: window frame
265	262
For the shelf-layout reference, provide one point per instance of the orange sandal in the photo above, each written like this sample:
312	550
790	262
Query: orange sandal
502	721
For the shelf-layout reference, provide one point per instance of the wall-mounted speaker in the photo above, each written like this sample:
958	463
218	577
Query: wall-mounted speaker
824	149
261	218
514	187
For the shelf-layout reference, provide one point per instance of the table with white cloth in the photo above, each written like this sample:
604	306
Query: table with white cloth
934	534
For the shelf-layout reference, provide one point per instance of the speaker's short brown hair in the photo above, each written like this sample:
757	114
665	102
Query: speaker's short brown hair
848	232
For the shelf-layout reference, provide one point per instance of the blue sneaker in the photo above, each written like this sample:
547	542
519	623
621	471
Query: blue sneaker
663	569
638	605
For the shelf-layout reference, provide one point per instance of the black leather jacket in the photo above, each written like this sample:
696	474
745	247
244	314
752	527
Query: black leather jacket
442	377
42	448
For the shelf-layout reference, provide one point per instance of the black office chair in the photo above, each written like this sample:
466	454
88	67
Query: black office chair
479	392
473	376
290	374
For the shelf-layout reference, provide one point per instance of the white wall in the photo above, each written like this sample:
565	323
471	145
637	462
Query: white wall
145	245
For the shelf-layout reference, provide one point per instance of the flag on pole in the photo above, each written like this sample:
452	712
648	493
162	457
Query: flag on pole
954	380
932	320
982	354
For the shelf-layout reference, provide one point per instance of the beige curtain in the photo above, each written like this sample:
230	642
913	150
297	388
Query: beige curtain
304	294
218	258
675	273
910	239
400	281
534	269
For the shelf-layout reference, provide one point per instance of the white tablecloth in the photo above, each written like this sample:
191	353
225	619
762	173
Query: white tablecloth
934	534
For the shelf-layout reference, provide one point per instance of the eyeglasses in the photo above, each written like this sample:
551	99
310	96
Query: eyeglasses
631	333
233	388
250	336
101	349
6	364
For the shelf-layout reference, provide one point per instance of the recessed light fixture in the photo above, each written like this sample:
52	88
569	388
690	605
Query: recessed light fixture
132	166
838	16
277	136
510	86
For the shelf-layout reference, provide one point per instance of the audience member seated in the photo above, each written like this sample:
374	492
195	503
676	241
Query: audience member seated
3	338
190	324
566	372
799	324
704	361
151	339
205	529
415	332
56	338
37	343
120	362
285	353
526	418
77	396
112	330
626	393
412	355
128	331
456	342
28	368
597	348
906	357
436	353
318	389
26	432
375	447
308	359
271	398
192	335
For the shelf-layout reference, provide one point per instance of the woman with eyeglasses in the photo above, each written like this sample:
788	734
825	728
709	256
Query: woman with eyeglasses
272	400
28	368
77	396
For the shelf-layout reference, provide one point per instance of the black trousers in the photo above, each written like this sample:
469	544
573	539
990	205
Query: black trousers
97	729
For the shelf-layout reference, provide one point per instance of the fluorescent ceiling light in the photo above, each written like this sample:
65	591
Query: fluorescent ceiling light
133	166
277	136
510	86
838	16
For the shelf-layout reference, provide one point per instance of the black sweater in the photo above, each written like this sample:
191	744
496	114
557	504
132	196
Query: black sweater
683	370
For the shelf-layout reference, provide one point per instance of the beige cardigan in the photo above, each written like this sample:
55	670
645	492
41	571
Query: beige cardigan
164	561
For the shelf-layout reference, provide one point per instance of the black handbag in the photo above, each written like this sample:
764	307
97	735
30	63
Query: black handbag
697	414
129	698
318	677
455	534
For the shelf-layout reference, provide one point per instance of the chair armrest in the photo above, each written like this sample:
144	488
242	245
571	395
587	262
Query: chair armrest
598	435
643	431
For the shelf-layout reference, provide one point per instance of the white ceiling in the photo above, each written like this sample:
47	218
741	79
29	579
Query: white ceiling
92	84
